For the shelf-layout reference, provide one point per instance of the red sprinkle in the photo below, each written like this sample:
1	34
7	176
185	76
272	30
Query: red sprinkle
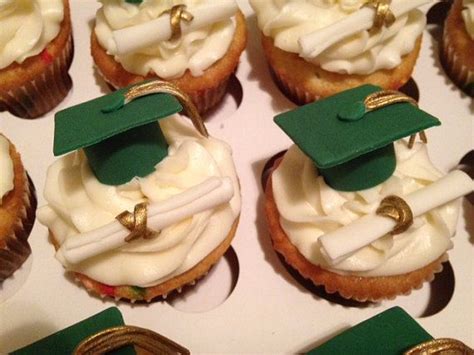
46	57
108	290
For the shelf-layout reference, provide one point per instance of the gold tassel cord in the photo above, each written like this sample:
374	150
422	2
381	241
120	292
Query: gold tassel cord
159	86
386	97
396	208
441	346
136	223
118	337
177	13
383	98
383	15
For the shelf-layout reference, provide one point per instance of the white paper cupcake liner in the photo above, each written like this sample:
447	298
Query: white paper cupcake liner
16	249
41	95
457	71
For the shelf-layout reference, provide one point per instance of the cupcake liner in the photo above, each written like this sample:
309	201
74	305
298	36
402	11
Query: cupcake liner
139	294
359	288
16	249
304	82
40	95
291	90
296	92
459	73
204	100
377	289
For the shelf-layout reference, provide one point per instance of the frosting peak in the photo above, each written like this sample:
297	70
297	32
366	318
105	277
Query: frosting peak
344	5
27	28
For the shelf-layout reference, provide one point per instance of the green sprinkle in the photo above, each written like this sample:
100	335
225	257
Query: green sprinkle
134	1
140	291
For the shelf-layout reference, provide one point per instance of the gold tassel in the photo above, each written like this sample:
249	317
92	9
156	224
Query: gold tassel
177	13
118	337
383	98
159	86
383	15
396	208
136	223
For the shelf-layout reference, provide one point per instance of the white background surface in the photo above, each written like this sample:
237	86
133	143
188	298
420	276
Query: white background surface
268	310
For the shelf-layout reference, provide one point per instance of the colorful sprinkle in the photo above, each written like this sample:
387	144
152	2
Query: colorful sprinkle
139	291
107	290
46	57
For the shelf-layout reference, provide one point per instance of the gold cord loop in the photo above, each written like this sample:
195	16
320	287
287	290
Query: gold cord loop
383	98
159	86
440	346
383	15
136	223
396	208
177	13
118	337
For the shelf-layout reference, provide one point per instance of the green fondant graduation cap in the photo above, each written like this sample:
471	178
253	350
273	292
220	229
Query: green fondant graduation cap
391	332
120	140
351	142
66	340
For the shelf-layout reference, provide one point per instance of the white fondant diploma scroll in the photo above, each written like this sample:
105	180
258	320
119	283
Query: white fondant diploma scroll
210	193
350	238
132	38
314	43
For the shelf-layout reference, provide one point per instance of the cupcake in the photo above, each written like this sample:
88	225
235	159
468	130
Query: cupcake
17	210
457	55
316	49
354	212
139	209
36	54
195	44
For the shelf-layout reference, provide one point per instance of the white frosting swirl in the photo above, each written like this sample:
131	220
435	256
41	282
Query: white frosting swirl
77	202
195	51
287	20
309	208
6	168
468	16
27	26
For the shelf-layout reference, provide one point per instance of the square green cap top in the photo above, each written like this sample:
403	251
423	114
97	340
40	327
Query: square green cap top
352	147
66	340
120	140
89	123
391	332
